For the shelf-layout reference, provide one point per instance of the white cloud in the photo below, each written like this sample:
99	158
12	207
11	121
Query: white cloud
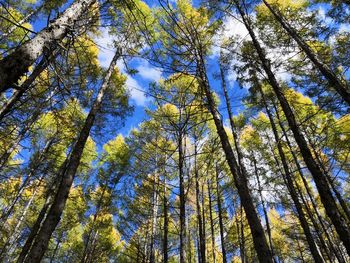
231	28
321	13
105	45
148	72
136	91
106	53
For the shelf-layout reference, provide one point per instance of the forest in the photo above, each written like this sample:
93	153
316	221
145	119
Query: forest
165	131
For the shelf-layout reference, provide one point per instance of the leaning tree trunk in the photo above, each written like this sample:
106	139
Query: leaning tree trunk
15	65
339	85
221	224
53	217
200	222
241	181
321	182
290	185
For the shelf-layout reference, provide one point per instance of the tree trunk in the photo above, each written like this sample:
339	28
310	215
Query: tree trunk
152	258
34	230
5	215
211	222
182	200
290	185
166	222
198	208
16	64
41	242
339	85
260	243
307	188
319	178
221	223
267	221
8	106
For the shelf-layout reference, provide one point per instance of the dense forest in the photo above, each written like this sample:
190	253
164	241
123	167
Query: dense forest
175	131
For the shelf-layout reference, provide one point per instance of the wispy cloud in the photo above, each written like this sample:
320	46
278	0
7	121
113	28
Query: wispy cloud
146	71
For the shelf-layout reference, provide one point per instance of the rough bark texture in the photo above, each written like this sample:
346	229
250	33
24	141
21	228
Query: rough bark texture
54	215
320	180
340	86
16	64
16	96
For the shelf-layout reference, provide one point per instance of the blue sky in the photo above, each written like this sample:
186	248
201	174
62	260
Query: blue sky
139	83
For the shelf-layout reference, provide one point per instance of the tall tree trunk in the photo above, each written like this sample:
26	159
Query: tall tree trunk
16	64
5	215
35	229
221	223
267	221
339	85
42	239
211	221
182	200
319	178
198	208
290	185
307	188
152	258
166	222
260	243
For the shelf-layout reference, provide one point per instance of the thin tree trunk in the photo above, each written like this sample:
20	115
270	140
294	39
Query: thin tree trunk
200	224
182	200
35	229
290	185
339	85
211	222
13	238
307	188
267	221
41	242
152	258
260	243
166	222
319	178
221	224
16	64
41	157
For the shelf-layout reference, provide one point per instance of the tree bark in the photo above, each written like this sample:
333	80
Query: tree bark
41	242
16	64
8	106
